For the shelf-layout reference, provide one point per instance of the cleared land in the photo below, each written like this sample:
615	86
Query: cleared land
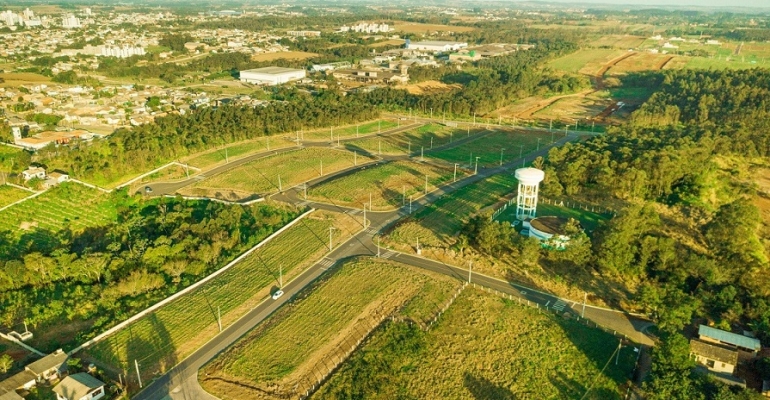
289	55
348	131
279	357
586	61
434	224
641	62
234	151
488	148
619	41
9	194
391	42
388	184
430	87
485	348
161	339
68	204
410	142
15	79
262	175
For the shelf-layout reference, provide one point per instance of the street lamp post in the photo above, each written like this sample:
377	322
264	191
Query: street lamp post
455	177
501	156
476	170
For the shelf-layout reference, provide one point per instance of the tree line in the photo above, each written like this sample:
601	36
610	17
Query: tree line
104	274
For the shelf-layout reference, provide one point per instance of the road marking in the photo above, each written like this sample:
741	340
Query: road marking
371	230
353	212
559	305
303	204
388	254
326	263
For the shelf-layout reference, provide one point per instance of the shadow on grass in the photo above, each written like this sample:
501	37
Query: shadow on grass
483	389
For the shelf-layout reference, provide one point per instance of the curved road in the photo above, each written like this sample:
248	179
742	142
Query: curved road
181	382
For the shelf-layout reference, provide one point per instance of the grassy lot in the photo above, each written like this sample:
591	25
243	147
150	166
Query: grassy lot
434	224
234	151
388	184
69	204
279	353
488	148
412	140
485	347
722	63
9	194
293	168
641	61
348	131
16	79
163	338
589	220
584	58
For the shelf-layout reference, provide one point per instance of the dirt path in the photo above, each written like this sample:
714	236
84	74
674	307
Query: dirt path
663	63
598	85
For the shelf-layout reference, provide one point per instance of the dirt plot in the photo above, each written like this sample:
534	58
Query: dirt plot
641	62
430	87
412	27
619	41
392	42
289	55
570	108
16	79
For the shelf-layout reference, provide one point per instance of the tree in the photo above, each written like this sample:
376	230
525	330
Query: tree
671	375
6	363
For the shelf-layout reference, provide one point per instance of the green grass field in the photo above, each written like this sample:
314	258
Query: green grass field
722	63
589	220
389	184
488	148
9	194
580	59
352	300
68	204
434	224
343	132
293	168
237	150
409	142
485	347
161	339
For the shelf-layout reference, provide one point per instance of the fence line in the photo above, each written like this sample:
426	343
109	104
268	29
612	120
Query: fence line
188	289
22	344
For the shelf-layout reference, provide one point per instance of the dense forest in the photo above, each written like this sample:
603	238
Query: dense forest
714	266
104	274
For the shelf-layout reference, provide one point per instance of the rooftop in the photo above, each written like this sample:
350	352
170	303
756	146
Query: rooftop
53	360
714	352
271	70
730	338
437	43
550	225
16	381
77	385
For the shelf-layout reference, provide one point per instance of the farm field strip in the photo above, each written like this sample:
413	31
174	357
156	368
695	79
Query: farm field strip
10	194
68	203
412	141
388	184
166	336
488	148
485	347
292	168
281	351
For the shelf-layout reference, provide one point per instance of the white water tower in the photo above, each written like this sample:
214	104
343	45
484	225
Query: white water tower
526	201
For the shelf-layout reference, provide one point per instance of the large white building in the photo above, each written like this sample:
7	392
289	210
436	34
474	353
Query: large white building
70	22
436	46
271	76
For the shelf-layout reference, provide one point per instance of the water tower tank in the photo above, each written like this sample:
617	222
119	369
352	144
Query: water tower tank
529	182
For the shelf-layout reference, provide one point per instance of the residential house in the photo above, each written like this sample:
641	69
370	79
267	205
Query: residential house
715	357
24	380
747	347
55	178
49	366
80	386
33	172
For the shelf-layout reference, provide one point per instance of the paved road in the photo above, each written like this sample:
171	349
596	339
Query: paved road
181	381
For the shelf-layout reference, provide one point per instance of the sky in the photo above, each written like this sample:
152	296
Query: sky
706	3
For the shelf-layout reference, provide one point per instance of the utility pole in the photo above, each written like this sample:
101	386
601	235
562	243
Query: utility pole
426	183
617	357
226	160
431	113
322	167
356	130
219	318
476	170
138	375
370	200
550	126
474	119
187	170
455	177
378	246
280	187
470	270
331	134
422	153
365	225
280	276
501	156
431	142
538	144
410	204
451	136
355	158
585	298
